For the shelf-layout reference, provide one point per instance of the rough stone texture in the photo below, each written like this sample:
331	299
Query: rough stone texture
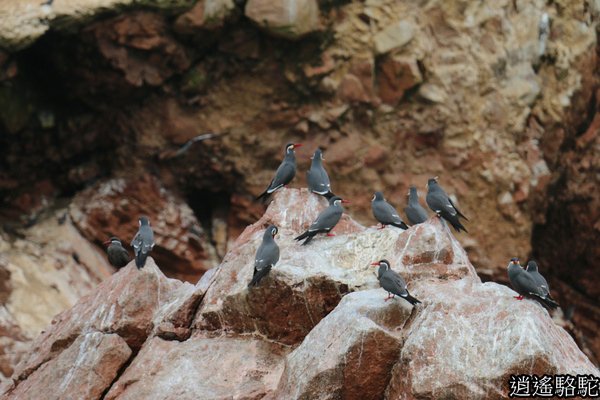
42	273
201	368
206	14
81	371
287	18
470	337
309	281
22	22
349	353
130	304
463	341
393	36
112	208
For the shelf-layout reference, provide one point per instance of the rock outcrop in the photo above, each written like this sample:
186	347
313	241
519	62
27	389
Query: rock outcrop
463	341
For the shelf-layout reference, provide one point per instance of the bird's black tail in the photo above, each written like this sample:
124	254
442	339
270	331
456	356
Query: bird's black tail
263	195
547	302
401	225
258	275
308	239
457	225
140	260
305	234
412	300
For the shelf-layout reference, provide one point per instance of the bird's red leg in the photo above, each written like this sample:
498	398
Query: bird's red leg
330	234
381	227
518	297
389	296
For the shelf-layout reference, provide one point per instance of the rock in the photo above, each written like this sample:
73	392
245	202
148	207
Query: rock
112	208
201	368
290	19
393	36
82	371
206	14
396	75
25	21
299	278
350	352
130	303
494	336
358	84
41	274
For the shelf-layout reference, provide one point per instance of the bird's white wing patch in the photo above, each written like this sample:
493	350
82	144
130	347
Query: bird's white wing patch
451	208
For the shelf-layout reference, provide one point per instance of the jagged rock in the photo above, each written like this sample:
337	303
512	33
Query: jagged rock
286	18
113	208
130	303
206	14
470	337
309	281
41	274
393	36
349	354
82	371
396	75
201	368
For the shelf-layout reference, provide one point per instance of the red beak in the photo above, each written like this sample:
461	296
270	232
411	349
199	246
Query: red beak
107	243
346	201
374	264
297	145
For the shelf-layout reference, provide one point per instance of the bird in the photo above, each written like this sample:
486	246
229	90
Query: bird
526	285
143	242
532	269
385	213
414	211
285	173
392	282
317	178
326	220
442	205
267	255
118	256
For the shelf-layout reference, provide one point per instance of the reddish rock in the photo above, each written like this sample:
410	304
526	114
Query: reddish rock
130	303
395	76
140	46
350	352
358	84
113	208
201	368
84	370
470	337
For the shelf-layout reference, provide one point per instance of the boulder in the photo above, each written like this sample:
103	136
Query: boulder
470	337
218	368
290	19
350	352
206	14
130	303
309	281
393	36
112	208
82	371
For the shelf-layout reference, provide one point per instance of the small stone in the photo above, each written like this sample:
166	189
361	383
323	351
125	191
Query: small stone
393	37
290	19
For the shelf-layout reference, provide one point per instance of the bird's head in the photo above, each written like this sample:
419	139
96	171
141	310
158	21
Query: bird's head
318	155
337	200
412	190
144	221
273	230
377	196
289	148
514	261
532	266
432	182
112	240
385	264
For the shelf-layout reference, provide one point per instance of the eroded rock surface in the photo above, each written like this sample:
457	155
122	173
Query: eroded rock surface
317	327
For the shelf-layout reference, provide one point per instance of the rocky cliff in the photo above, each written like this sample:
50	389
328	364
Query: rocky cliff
317	327
98	99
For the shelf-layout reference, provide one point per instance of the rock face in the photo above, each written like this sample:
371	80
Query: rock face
463	341
112	208
287	18
42	273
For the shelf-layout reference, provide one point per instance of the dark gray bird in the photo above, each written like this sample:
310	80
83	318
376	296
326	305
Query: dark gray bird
286	171
143	242
385	213
526	285
267	256
442	205
415	213
532	269
317	178
326	221
118	256
392	282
